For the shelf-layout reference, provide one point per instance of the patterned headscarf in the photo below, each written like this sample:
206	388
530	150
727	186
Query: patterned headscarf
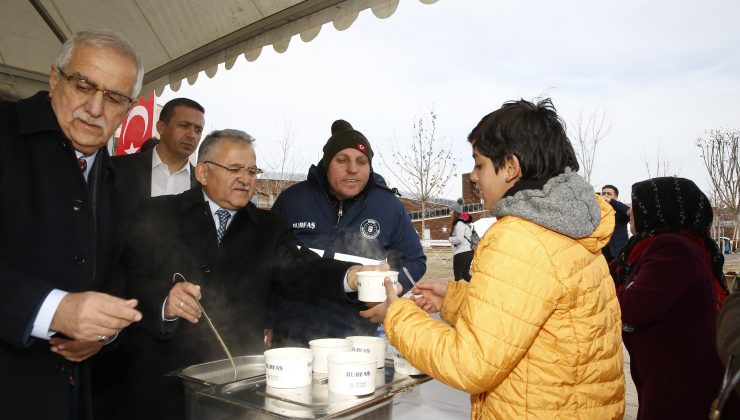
670	204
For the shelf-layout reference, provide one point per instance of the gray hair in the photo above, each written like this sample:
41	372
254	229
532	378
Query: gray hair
103	39
209	145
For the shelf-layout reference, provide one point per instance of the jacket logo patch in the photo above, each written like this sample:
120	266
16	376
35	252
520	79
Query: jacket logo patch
370	228
304	225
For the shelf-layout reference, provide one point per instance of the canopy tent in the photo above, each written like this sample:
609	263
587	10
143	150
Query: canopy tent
176	38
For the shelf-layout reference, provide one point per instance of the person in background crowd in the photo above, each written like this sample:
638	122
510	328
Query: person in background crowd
57	220
229	255
537	332
344	207
728	335
165	168
610	193
8	96
460	240
670	285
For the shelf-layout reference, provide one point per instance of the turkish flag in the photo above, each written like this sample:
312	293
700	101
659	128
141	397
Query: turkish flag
137	126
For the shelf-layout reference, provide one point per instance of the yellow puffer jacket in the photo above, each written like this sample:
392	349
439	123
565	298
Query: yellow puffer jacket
537	332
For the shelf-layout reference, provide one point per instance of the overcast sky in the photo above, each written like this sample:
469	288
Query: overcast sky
663	71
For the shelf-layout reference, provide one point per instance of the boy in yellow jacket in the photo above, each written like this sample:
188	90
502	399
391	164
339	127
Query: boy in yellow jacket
537	331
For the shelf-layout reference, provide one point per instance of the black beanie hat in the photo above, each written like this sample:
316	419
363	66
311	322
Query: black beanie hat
343	136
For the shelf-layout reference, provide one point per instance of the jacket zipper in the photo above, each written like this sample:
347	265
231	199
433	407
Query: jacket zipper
339	213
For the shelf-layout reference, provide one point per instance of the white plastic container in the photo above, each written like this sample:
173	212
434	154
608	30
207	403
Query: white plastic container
402	366
370	286
367	344
288	367
351	373
323	347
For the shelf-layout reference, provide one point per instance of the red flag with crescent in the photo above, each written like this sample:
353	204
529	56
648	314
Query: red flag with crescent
137	126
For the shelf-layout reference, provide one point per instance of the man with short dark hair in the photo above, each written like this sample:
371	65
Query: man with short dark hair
164	169
610	193
56	218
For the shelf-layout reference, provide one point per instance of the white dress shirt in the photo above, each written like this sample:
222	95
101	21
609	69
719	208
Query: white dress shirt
166	183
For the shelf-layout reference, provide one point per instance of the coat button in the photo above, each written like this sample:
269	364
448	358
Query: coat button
206	269
79	259
77	205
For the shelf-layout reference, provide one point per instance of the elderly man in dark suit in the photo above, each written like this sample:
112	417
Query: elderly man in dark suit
56	228
165	169
231	254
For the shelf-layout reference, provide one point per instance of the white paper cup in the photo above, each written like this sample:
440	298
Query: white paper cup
288	367
301	395
324	347
368	344
401	365
370	287
351	373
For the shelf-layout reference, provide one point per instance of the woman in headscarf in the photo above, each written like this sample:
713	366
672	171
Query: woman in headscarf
670	286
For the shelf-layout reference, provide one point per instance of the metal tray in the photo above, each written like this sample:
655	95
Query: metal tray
250	397
221	372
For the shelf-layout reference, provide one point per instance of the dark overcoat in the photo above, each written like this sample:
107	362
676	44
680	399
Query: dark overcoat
179	236
56	232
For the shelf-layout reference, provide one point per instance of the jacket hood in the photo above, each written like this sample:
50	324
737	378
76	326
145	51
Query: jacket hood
566	204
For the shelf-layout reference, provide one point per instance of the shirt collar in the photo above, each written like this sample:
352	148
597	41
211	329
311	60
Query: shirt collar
156	161
215	206
90	160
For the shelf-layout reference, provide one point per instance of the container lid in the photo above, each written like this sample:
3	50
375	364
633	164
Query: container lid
288	353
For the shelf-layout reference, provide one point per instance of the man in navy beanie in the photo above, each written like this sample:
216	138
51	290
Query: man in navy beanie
344	210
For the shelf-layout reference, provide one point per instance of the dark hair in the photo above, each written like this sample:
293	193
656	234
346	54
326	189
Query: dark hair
532	132
616	190
169	108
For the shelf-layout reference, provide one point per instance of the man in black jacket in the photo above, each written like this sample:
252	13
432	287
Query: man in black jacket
229	255
56	228
610	193
165	169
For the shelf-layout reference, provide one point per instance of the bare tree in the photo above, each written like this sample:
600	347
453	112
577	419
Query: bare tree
719	151
662	166
282	169
588	132
424	167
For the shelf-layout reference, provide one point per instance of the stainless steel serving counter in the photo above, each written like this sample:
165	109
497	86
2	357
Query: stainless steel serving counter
213	394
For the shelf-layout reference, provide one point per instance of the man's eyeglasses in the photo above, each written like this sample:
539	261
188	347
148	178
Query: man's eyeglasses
252	171
88	89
